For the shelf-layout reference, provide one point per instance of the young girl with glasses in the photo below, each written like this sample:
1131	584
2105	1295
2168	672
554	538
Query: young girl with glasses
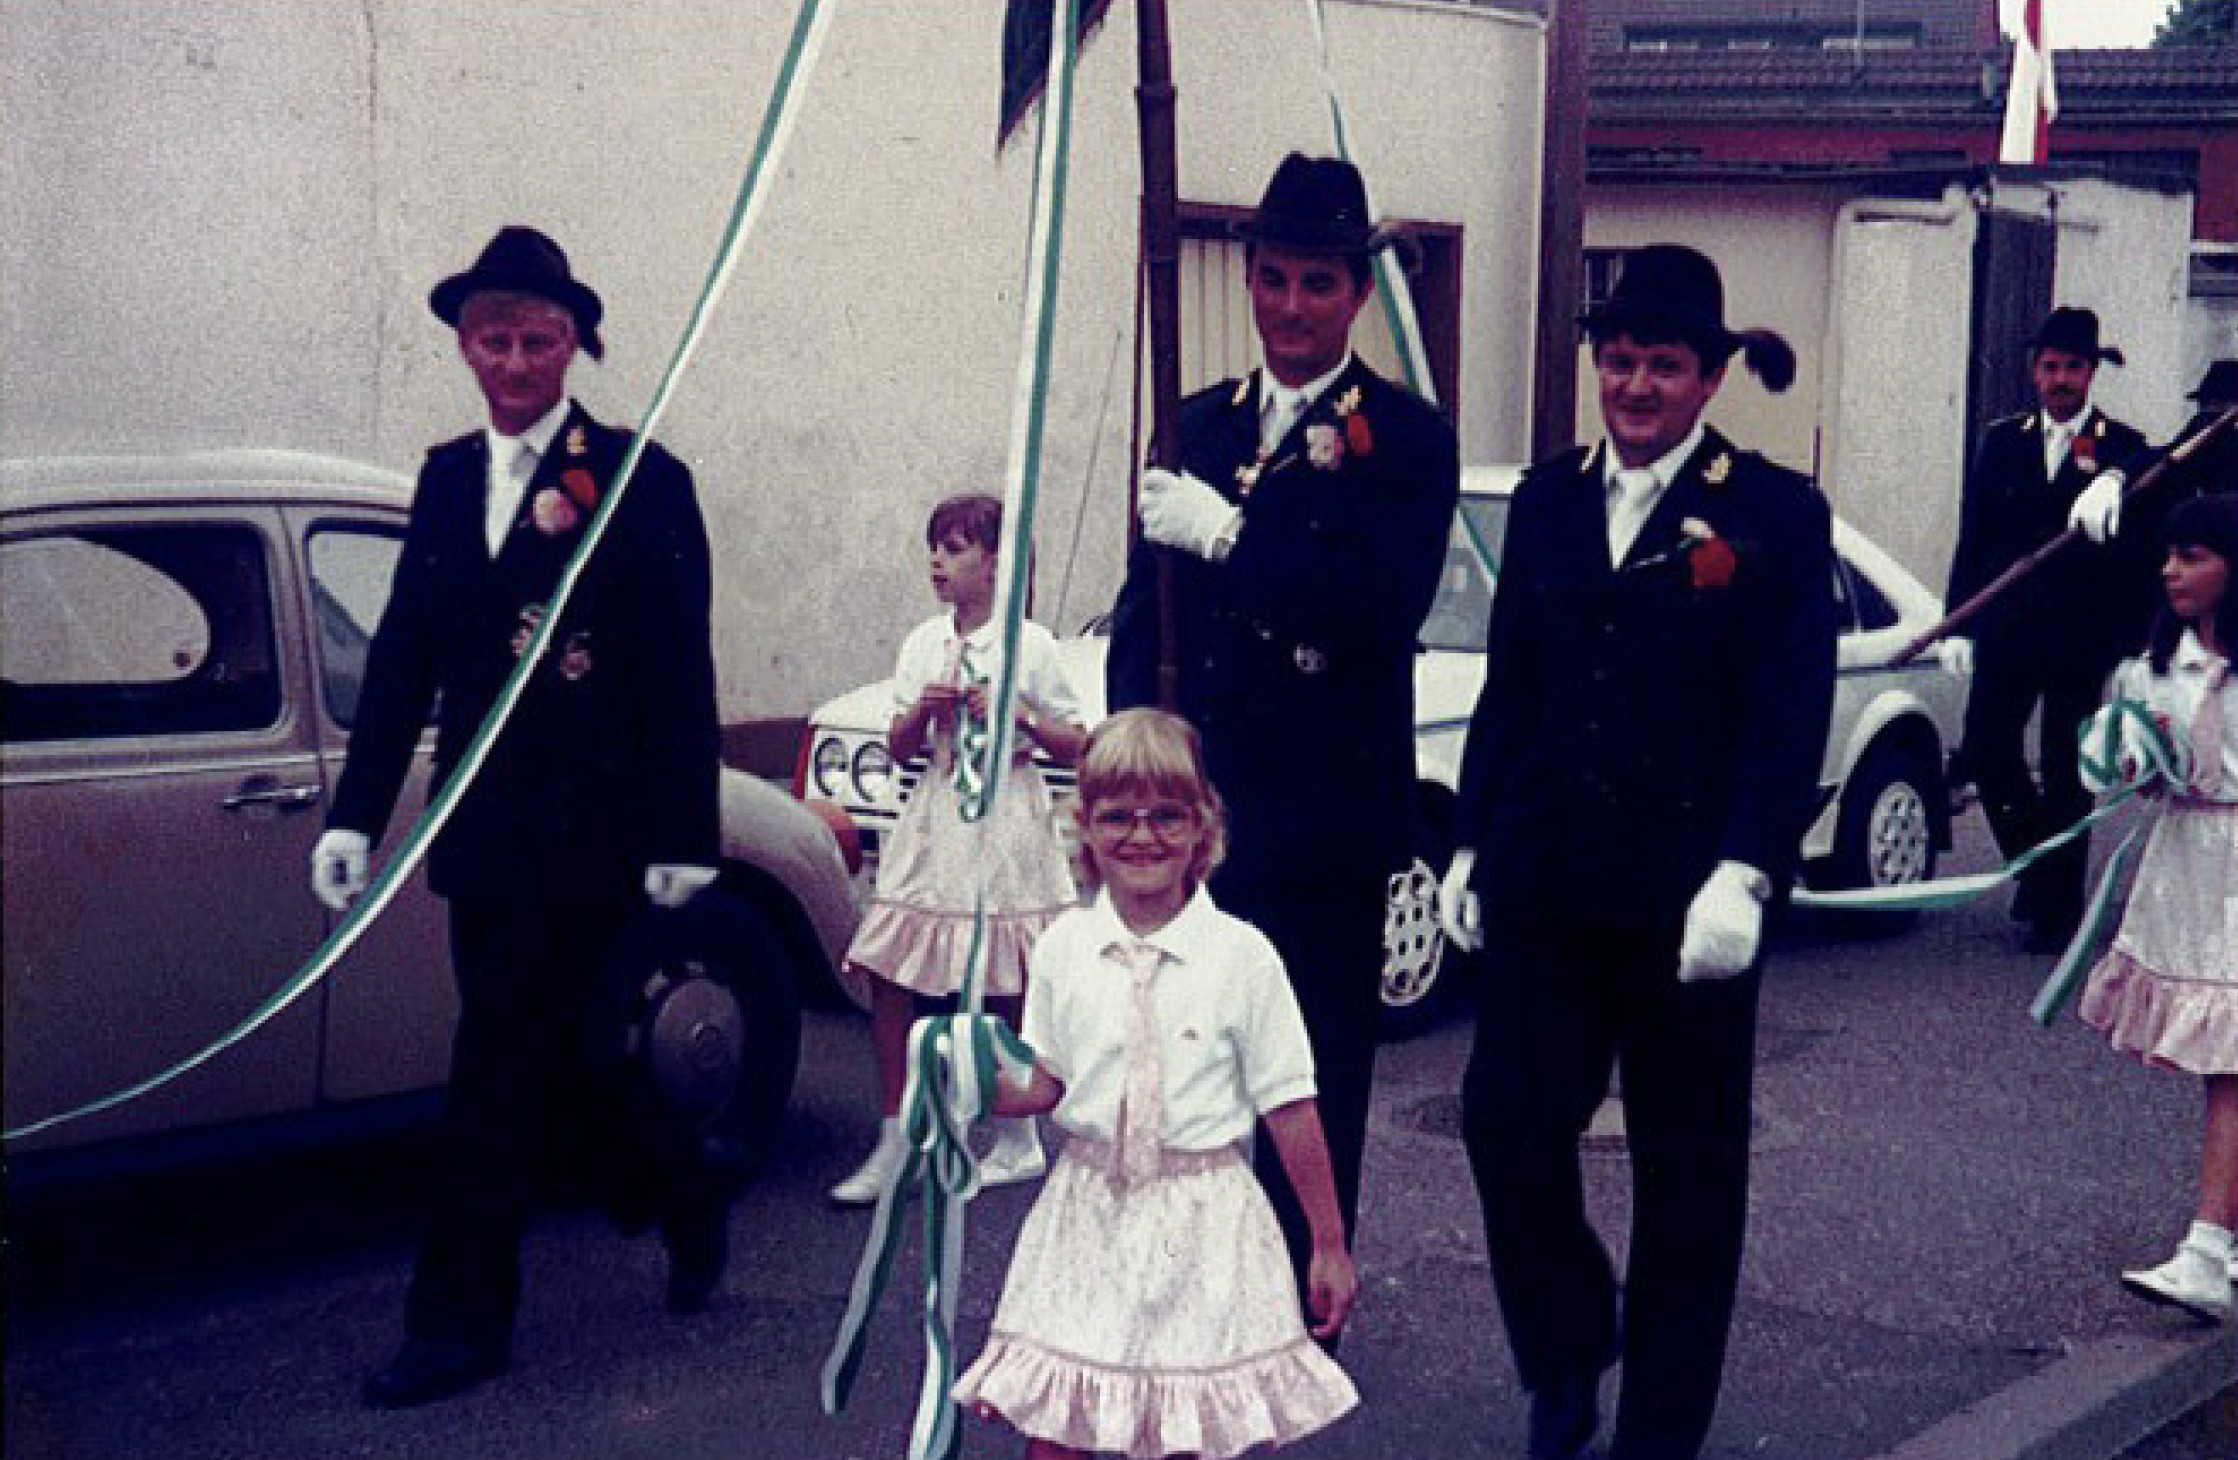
1150	1307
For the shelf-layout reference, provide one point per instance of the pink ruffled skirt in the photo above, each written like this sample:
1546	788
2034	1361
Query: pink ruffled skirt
2168	989
1158	1320
937	868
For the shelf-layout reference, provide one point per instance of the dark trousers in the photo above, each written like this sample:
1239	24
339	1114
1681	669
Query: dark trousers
2009	685
1562	1003
1329	931
521	1090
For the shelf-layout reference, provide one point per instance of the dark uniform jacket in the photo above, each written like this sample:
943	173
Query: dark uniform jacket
610	761
1296	655
1639	725
2088	601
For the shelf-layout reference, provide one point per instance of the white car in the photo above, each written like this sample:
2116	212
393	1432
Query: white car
1884	804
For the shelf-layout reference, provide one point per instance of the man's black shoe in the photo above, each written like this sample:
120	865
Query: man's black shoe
1563	1416
428	1369
698	1251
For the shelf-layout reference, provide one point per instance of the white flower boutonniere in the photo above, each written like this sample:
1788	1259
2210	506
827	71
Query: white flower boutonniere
1720	467
1324	446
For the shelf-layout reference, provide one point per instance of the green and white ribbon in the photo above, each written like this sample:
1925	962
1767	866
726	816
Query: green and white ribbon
954	1061
777	124
2155	760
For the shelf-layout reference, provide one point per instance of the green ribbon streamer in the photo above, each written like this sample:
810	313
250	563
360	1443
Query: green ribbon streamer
777	123
953	1061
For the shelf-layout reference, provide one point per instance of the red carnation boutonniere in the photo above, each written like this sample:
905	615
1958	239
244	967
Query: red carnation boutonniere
1710	559
2086	450
1359	436
582	487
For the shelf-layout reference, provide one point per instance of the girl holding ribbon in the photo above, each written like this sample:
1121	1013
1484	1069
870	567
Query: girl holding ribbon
964	862
2168	988
1150	1307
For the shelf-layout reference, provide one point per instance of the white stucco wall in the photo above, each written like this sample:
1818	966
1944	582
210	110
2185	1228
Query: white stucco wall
221	219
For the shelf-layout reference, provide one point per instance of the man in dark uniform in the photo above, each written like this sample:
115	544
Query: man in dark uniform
599	794
1637	779
2046	645
1305	532
2210	468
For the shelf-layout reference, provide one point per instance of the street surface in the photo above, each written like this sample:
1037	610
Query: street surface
1943	1195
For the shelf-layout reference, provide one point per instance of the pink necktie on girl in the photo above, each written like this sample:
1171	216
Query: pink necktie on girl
1141	1113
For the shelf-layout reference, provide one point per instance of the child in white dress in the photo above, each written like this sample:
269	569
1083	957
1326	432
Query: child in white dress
938	865
1150	1307
2168	989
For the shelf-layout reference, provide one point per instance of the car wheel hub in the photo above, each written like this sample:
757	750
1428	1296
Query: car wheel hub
1898	837
1413	943
695	1039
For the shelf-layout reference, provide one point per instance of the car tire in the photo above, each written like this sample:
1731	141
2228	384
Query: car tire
1423	973
1885	832
698	1033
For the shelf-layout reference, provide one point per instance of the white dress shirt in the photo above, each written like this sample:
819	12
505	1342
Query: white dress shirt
1632	498
1233	1042
513	461
1280	405
2059	437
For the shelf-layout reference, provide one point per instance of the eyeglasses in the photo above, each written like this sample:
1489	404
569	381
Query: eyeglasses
1168	822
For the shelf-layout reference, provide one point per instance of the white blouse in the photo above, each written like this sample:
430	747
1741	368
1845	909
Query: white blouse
1233	1042
930	651
2177	695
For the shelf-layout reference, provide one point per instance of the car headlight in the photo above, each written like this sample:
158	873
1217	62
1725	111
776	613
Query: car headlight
873	773
829	768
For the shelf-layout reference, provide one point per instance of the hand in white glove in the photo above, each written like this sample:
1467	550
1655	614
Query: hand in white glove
341	863
2097	510
1186	512
671	885
1956	656
1460	912
1724	924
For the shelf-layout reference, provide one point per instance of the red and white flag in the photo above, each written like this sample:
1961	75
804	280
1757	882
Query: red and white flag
2032	101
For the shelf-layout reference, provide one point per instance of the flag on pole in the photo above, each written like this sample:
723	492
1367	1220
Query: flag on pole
2031	101
1025	54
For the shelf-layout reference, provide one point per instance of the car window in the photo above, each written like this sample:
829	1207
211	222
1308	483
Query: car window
1462	610
144	630
351	568
1869	607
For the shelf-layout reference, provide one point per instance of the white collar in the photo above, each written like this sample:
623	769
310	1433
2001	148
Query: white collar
538	437
1174	939
983	637
1665	467
1271	389
2191	655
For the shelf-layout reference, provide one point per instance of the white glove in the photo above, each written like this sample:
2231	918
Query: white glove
1956	657
2097	510
1186	512
672	885
1724	924
341	864
1460	912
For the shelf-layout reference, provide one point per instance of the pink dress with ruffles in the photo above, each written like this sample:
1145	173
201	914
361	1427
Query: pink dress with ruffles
2168	988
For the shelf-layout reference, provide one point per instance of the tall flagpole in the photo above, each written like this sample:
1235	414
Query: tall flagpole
1161	266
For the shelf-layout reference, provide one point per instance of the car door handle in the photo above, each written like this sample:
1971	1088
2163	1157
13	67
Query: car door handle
265	793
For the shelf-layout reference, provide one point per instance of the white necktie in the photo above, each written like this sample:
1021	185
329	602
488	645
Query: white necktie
1284	406
1631	495
513	462
2057	435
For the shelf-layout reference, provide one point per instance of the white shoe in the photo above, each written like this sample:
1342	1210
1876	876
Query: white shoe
1016	1154
883	1164
2197	1279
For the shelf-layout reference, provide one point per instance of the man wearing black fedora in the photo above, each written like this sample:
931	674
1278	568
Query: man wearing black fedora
598	796
1305	531
2044	647
1638	775
2208	469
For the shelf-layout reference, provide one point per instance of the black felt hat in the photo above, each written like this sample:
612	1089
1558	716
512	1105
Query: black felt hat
2074	332
1315	205
2220	383
520	260
1670	291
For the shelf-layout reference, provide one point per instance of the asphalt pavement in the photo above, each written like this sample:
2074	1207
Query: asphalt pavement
1943	1195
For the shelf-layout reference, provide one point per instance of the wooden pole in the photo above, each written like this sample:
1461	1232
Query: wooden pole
1961	615
1161	265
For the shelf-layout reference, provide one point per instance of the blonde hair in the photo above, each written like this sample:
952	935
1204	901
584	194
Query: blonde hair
1156	753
